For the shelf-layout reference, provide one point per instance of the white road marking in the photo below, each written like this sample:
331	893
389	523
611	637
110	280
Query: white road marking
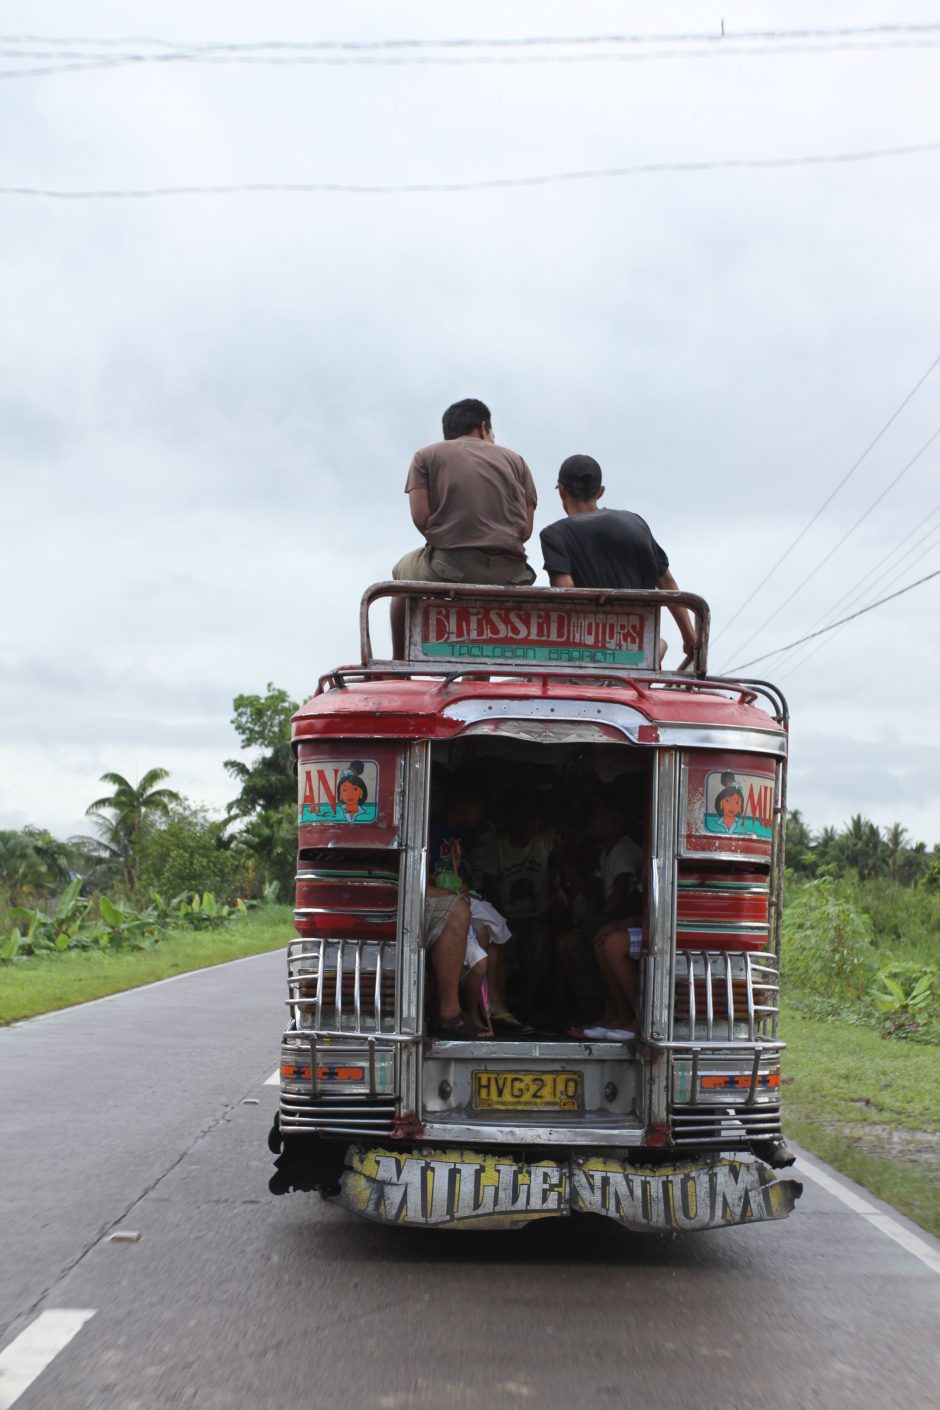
905	1237
29	1355
275	1079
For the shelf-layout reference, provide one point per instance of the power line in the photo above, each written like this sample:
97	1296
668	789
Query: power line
437	53
799	642
847	535
442	61
798	663
490	41
863	585
485	184
845	478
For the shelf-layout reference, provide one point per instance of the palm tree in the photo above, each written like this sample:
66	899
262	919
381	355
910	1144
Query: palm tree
862	846
23	873
131	808
895	845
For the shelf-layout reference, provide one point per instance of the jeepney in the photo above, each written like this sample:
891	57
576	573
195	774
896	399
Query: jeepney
677	1130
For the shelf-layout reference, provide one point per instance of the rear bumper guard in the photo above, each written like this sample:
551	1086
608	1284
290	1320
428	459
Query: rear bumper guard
461	1189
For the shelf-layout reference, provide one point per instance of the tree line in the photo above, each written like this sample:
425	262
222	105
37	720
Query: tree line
863	849
147	837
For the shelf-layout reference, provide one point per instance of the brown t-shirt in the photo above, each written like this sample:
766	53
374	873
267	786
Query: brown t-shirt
478	493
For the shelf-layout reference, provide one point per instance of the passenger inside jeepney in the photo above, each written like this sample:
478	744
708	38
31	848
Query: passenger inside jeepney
461	930
517	879
553	846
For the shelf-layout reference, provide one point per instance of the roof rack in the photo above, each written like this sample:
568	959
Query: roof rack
578	629
746	689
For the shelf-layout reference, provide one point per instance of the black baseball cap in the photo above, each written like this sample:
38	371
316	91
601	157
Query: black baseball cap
580	473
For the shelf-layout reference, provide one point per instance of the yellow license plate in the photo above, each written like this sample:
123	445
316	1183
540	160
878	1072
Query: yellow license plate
528	1091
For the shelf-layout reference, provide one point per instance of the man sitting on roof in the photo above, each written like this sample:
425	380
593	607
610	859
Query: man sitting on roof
604	548
474	502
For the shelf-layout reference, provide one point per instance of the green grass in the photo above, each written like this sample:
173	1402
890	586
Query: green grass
42	983
868	1105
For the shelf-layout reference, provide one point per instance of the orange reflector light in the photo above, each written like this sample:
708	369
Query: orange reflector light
329	1073
737	1080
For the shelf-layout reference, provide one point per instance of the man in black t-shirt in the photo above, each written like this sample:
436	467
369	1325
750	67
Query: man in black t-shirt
604	548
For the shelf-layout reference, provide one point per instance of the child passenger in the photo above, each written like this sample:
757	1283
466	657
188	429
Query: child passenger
614	930
457	811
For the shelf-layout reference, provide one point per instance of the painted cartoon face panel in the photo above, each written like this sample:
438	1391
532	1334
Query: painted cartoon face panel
739	805
338	791
729	805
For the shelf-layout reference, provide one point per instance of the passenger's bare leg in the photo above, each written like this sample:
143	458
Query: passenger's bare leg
473	989
495	971
496	976
621	976
447	956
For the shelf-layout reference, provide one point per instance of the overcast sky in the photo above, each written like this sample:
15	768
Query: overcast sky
208	403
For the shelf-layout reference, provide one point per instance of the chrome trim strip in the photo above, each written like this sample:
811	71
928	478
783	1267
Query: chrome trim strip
625	718
524	1134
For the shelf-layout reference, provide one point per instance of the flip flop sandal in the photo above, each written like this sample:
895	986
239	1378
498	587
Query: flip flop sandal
461	1028
506	1025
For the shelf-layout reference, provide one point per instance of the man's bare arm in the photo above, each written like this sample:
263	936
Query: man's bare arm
420	506
683	621
561	579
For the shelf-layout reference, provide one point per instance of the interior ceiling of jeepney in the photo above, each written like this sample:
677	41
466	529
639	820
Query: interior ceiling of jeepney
608	761
416	707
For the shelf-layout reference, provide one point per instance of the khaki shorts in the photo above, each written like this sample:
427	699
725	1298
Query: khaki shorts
462	565
437	909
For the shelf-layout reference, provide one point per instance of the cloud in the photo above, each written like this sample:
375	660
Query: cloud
209	405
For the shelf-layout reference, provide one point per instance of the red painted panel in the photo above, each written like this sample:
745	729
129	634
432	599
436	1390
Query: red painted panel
348	792
729	804
714	907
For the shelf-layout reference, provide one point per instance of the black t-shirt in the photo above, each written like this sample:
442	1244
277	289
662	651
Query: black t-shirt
605	548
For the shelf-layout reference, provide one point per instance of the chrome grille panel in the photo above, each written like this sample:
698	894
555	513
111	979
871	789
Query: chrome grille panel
342	986
723	1127
337	1116
721	996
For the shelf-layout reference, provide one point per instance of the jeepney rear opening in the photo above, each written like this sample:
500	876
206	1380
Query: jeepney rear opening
659	1131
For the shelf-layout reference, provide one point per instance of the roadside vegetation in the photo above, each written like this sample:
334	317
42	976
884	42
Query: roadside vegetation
861	980
158	886
39	983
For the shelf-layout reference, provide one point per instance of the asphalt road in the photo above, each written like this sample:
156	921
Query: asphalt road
130	1114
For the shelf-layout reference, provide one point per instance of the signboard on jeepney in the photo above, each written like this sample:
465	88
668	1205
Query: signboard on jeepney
464	1189
728	804
570	634
347	790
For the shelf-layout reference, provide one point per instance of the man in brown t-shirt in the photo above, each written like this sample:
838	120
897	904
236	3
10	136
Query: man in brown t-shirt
474	502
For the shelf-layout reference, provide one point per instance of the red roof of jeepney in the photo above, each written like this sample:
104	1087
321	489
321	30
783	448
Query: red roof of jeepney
415	708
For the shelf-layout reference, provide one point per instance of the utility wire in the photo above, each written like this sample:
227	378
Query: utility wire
872	588
88	62
847	535
799	642
845	479
874	576
798	663
498	41
485	184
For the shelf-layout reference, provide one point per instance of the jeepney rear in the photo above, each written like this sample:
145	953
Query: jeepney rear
678	1129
